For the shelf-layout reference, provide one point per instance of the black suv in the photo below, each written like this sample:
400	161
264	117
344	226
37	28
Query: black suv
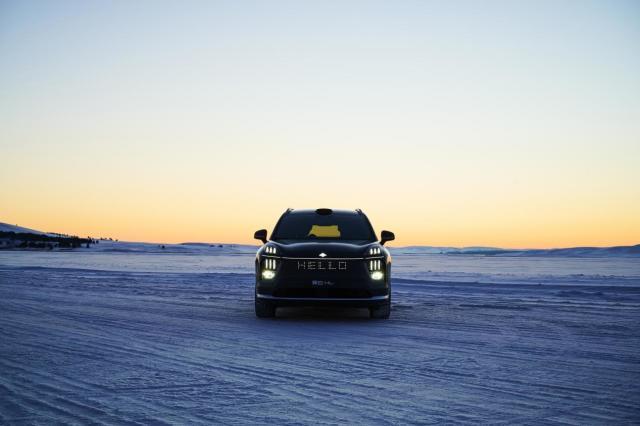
323	256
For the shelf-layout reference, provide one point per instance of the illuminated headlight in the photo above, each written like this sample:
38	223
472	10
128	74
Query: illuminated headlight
269	268
268	274
375	265
270	250
376	275
270	264
375	250
376	269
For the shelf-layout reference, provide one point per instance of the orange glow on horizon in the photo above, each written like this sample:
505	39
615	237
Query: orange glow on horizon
408	233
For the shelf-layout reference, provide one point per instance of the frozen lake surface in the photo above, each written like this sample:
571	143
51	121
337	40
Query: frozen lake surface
169	336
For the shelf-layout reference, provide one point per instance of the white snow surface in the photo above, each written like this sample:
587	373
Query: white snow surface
136	334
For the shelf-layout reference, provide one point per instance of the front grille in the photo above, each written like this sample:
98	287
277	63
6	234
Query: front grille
328	266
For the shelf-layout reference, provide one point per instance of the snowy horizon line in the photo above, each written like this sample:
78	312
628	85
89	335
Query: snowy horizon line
6	227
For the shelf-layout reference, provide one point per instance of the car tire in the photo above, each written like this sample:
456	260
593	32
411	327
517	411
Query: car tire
265	309
380	312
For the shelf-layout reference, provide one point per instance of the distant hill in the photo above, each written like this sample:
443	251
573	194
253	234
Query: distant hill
442	250
14	237
622	251
559	252
572	252
5	227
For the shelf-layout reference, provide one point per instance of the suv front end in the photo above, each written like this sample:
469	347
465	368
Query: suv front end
325	270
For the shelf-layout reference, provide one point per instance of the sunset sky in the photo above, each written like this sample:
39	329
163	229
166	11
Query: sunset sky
507	124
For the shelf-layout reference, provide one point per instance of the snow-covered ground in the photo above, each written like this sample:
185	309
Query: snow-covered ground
139	334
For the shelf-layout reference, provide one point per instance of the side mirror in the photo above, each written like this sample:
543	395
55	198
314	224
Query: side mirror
386	236
261	235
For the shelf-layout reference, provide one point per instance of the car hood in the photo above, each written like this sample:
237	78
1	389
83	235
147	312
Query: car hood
330	249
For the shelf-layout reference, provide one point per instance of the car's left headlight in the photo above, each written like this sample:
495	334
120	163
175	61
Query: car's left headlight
377	275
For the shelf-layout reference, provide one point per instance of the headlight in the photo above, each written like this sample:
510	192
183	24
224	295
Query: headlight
270	250
269	268
374	251
377	275
267	274
376	267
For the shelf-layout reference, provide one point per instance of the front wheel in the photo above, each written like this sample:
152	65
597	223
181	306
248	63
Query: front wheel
380	312
265	309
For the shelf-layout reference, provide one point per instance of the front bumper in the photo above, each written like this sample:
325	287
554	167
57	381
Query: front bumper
348	301
348	283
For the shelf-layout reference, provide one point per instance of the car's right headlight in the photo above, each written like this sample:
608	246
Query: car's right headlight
269	267
268	274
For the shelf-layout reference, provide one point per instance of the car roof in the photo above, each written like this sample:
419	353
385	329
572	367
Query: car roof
333	211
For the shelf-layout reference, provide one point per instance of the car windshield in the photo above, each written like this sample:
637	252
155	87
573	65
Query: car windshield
316	227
